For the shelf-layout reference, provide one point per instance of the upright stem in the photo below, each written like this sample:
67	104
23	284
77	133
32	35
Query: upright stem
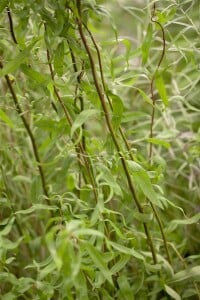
81	152
151	128
20	112
153	78
110	128
31	136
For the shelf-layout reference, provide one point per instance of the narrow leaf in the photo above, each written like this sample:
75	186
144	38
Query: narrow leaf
120	264
34	75
147	44
6	119
193	220
126	250
118	109
161	89
3	4
19	59
97	258
159	142
108	177
192	273
34	208
59	59
125	290
82	118
143	181
172	293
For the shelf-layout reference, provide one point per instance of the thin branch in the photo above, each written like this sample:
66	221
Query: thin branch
30	134
11	25
153	16
158	219
110	128
105	89
79	148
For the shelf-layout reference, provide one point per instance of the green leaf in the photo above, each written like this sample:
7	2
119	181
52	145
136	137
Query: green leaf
128	46
143	181
130	116
161	89
35	207
9	245
19	59
3	4
88	231
82	118
192	273
144	96
99	262
59	59
159	142
107	176
193	220
125	290
120	264
145	218
6	119
8	227
118	109
147	44
34	75
21	178
81	286
172	293
126	250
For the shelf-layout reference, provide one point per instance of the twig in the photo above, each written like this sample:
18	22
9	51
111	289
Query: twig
110	128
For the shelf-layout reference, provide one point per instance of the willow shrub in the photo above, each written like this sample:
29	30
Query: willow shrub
100	150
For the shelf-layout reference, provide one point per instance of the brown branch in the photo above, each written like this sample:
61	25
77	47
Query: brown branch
30	134
110	128
105	90
158	219
153	16
81	152
11	25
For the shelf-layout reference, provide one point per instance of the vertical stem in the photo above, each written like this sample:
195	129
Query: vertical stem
79	148
153	78
110	128
151	128
31	136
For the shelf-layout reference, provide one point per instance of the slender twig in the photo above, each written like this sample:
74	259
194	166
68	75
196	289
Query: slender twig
81	101
158	219
30	134
11	25
79	148
77	88
105	89
153	16
110	128
128	146
18	224
21	114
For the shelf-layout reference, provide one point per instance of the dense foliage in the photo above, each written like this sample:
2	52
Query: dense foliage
100	147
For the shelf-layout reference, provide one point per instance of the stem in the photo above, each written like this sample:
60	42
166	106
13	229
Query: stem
30	134
153	78
110	128
79	148
21	114
158	219
11	25
80	97
105	89
127	144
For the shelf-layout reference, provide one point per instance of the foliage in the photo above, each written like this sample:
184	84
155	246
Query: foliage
100	149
